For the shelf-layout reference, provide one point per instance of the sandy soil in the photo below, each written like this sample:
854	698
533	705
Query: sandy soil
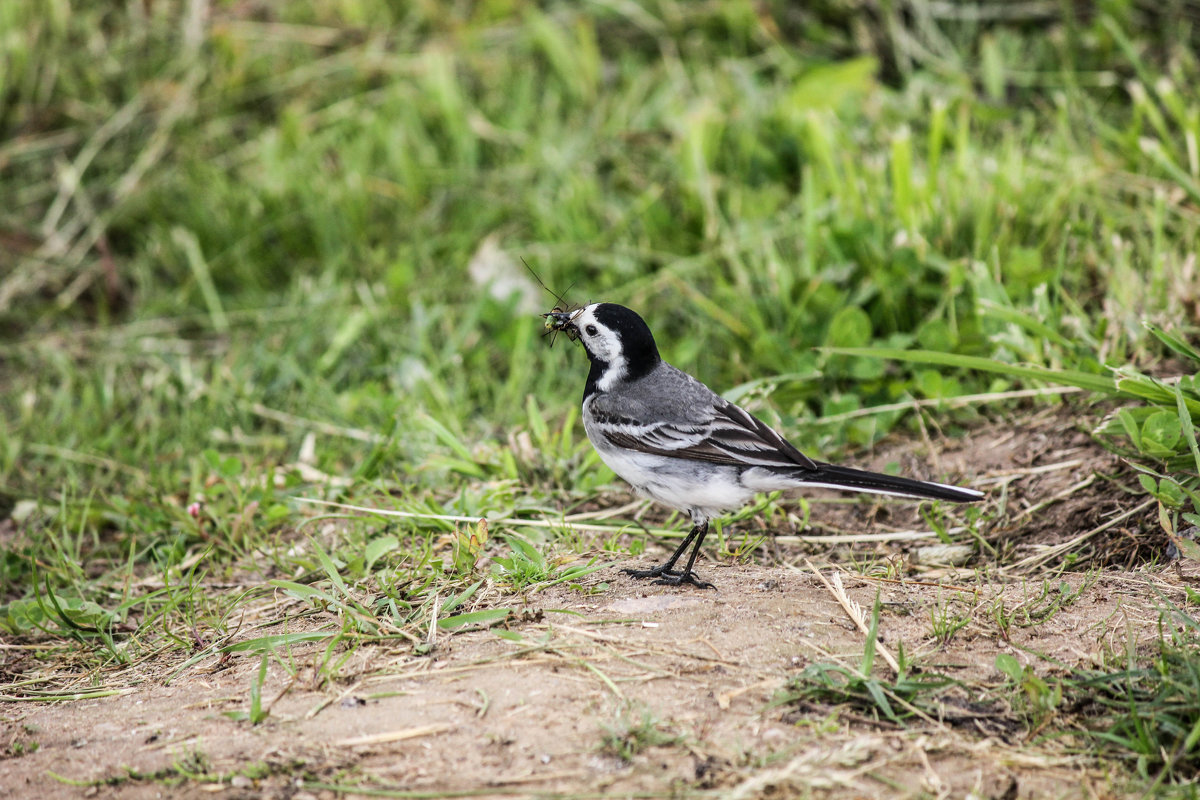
546	710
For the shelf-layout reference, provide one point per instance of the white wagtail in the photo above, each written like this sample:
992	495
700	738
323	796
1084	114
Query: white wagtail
680	443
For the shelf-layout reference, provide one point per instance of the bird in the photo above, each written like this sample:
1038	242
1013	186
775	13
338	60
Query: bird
679	443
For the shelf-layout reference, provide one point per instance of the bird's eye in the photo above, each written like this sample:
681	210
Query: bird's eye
591	330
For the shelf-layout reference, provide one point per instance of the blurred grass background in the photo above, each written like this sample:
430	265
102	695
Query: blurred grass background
236	237
255	250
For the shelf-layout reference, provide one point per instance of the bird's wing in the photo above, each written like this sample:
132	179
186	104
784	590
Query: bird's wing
721	433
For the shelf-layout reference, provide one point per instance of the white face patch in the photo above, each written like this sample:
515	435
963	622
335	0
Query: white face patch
603	344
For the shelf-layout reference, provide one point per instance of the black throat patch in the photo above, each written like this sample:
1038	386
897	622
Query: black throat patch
637	345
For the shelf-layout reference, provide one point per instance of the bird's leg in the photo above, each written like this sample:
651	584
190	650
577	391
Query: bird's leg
665	572
665	567
688	576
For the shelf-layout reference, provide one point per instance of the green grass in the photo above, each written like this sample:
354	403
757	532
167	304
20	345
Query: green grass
235	273
633	734
909	695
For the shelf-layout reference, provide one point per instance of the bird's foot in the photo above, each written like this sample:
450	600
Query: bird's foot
670	577
653	572
678	579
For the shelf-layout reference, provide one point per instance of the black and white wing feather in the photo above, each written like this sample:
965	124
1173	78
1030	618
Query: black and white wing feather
725	435
672	414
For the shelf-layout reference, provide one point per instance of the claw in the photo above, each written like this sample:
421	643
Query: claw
669	577
656	572
689	578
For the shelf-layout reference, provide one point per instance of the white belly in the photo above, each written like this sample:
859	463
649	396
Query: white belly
696	487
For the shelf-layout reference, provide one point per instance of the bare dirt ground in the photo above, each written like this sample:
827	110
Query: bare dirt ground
649	690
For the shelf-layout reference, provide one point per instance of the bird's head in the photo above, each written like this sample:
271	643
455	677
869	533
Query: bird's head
616	339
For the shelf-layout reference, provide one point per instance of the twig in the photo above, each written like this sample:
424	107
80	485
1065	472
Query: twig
905	582
724	699
855	613
574	519
1038	559
394	736
998	476
328	701
851	538
1063	495
532	523
951	402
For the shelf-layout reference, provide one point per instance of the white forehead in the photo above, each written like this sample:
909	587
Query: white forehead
604	343
586	314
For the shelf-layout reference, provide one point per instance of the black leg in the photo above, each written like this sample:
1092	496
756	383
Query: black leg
665	571
670	562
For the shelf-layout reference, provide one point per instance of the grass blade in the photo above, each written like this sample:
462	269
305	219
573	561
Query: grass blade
1067	377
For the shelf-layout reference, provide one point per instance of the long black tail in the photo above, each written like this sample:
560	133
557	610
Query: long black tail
835	477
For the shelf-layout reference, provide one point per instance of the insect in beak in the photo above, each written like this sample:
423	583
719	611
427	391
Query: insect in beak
558	320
